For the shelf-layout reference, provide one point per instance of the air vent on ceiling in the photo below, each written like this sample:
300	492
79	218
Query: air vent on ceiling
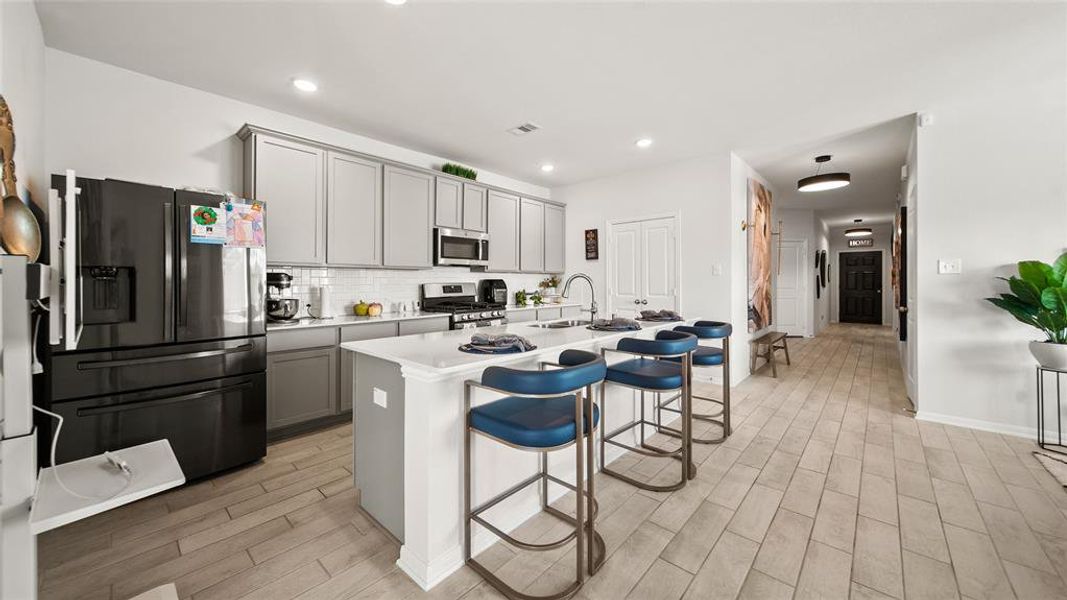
524	129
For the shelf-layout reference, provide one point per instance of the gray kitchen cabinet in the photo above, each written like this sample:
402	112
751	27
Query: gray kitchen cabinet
549	314
503	231
353	210
290	178
415	326
449	204
409	218
475	200
532	236
522	315
301	385
554	239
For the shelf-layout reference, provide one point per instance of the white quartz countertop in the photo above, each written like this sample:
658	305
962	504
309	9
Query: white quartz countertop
344	320
438	353
546	305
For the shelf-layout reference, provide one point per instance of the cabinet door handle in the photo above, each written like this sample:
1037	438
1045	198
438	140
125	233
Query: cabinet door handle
636	301
644	302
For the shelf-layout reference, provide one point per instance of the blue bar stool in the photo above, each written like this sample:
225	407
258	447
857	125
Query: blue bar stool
706	356
540	414
652	371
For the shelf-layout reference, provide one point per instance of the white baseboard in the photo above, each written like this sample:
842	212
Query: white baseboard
1029	433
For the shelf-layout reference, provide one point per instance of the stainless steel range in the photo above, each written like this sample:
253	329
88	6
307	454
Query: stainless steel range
459	300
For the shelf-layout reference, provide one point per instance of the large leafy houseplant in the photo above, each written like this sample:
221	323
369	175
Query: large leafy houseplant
1039	298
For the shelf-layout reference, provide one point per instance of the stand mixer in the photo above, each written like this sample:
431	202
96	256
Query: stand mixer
281	305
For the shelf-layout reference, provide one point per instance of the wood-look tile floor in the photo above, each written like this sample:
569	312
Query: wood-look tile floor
826	489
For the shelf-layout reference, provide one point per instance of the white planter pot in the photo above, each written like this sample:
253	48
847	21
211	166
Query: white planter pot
1050	355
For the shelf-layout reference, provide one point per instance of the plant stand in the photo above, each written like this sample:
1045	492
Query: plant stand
1057	445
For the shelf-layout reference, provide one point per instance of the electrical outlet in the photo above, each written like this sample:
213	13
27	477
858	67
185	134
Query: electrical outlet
949	266
381	398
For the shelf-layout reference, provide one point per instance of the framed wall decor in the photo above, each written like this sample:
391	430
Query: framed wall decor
592	244
759	256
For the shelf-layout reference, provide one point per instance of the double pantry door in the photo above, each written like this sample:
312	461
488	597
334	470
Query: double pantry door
643	266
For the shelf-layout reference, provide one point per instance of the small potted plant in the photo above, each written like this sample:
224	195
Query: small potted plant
1039	299
537	298
549	285
520	298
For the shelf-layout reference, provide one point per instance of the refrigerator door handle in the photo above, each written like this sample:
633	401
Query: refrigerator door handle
154	402
168	271
183	275
148	360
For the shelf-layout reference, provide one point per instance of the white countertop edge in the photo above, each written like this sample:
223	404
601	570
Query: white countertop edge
545	305
419	372
346	320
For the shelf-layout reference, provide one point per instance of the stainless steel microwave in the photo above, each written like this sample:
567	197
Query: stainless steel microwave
460	247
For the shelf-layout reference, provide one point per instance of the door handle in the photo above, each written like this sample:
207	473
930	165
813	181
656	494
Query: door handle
149	360
168	270
902	309
156	402
644	302
637	301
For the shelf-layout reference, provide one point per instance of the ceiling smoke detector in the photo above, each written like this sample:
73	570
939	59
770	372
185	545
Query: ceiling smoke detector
524	129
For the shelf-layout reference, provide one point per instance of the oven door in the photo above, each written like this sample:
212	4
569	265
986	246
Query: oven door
477	324
460	247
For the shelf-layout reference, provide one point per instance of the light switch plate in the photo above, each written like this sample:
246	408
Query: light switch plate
949	266
381	398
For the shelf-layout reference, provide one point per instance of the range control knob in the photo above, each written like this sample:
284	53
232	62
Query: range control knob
485	315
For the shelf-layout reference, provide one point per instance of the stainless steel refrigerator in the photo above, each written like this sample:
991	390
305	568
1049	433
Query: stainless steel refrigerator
171	338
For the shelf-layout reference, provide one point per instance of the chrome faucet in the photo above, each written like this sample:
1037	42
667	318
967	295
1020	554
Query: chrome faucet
592	292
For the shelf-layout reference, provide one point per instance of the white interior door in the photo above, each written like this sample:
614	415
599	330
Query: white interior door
625	239
657	271
791	290
643	266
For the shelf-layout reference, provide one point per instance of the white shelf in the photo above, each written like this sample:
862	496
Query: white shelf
154	467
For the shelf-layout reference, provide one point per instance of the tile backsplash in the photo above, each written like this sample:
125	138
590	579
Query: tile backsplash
389	287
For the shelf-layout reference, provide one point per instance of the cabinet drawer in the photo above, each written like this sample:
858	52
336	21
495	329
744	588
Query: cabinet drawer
423	326
298	339
521	316
548	314
368	331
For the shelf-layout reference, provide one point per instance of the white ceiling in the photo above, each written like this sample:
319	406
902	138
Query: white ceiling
449	78
873	157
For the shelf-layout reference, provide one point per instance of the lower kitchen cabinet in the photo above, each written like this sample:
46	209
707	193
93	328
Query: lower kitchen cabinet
301	385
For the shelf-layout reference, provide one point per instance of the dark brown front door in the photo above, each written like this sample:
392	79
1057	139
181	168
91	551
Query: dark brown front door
861	287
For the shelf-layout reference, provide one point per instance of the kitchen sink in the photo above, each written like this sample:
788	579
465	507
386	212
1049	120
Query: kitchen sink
559	324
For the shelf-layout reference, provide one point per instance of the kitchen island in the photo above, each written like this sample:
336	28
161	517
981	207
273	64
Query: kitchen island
409	424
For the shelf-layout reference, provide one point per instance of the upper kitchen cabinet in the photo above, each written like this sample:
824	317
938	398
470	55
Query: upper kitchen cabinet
449	204
475	204
290	178
354	210
409	218
503	231
532	236
554	239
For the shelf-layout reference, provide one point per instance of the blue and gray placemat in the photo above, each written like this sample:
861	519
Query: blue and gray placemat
616	324
497	344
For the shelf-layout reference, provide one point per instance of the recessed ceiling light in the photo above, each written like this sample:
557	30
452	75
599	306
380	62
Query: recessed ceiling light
395	2
305	85
825	181
547	168
643	142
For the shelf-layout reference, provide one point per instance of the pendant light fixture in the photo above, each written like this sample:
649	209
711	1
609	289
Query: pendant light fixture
858	231
825	181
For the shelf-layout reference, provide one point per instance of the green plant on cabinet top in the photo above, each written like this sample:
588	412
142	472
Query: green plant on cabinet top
459	171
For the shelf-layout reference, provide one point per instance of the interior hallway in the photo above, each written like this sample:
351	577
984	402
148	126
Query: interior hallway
825	490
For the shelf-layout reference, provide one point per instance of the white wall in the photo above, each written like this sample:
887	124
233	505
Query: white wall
992	185
125	125
821	311
22	83
883	242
